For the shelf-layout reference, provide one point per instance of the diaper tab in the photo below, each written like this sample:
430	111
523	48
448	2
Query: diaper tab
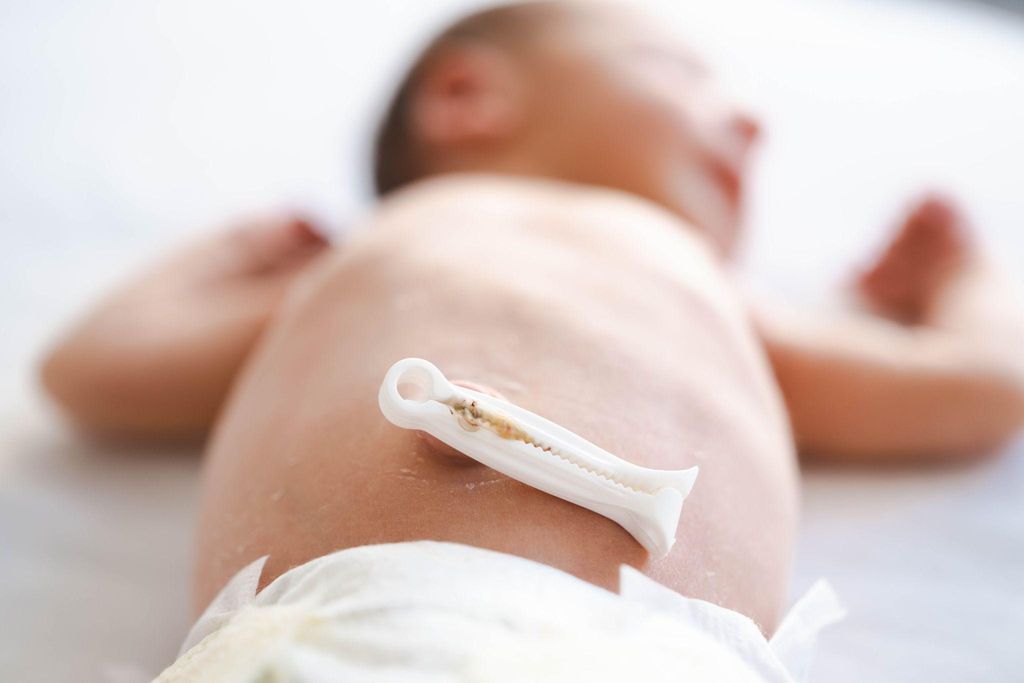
239	592
786	658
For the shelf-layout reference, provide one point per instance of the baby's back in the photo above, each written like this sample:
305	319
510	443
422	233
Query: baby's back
594	309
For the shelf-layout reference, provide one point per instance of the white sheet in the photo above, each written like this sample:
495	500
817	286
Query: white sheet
125	122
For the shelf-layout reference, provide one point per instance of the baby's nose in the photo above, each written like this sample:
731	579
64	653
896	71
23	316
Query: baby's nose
746	127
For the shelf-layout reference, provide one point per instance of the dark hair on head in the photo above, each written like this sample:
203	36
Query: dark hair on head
397	161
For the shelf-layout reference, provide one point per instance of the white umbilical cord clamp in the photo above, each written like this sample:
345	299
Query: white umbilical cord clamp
645	502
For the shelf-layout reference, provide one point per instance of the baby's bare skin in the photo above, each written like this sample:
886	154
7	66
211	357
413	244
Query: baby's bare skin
597	310
591	307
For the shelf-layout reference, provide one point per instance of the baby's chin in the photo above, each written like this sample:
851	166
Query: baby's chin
703	203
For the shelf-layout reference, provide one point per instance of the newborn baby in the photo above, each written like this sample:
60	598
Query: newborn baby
562	189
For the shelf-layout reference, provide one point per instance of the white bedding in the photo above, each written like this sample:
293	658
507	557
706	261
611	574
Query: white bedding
125	122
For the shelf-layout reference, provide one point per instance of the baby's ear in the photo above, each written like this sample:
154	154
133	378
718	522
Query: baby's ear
468	94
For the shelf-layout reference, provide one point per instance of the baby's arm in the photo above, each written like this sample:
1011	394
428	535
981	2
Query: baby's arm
942	377
156	358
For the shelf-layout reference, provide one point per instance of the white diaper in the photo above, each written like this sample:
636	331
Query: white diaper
428	611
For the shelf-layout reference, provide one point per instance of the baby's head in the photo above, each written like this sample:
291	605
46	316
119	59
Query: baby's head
585	93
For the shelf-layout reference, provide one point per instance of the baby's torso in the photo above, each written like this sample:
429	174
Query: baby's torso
593	309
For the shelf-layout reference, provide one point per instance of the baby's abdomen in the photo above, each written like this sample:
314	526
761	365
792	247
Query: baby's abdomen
650	361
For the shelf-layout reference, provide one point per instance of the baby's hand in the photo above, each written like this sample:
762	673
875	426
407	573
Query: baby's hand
239	273
271	246
930	247
158	356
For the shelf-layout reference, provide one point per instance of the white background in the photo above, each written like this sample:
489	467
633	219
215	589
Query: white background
126	124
